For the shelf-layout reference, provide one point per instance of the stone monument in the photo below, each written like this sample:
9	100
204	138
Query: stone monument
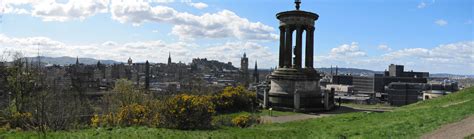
295	86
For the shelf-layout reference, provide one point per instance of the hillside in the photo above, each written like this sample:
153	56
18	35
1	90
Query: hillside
405	122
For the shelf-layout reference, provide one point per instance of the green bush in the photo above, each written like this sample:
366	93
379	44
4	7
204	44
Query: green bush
21	120
219	121
187	112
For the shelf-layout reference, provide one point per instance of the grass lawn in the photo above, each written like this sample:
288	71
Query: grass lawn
371	107
260	113
409	121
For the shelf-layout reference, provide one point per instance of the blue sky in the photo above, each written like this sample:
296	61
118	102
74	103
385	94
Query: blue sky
425	35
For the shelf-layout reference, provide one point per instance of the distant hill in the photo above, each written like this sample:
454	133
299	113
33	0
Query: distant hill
65	60
352	71
450	75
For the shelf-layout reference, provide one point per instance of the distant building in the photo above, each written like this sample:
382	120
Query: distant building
244	64
130	62
147	75
244	68
375	85
400	93
398	71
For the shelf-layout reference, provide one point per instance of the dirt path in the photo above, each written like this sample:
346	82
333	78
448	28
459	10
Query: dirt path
456	130
297	117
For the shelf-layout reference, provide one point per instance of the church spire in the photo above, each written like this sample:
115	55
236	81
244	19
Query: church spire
169	59
256	75
77	60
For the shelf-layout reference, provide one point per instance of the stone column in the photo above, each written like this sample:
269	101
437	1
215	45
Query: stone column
296	100
309	47
265	98
288	47
282	47
298	48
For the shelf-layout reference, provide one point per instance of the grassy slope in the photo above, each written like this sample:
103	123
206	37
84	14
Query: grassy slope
406	122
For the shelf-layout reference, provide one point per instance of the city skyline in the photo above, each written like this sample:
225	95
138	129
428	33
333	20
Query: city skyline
364	34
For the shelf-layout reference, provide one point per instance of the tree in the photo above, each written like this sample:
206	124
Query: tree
123	94
20	83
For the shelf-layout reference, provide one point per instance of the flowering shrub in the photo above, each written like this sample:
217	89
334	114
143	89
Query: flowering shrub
233	99
21	120
155	108
187	112
109	120
244	121
95	120
133	114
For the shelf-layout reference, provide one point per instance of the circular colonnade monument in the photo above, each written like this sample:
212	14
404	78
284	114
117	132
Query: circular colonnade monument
295	86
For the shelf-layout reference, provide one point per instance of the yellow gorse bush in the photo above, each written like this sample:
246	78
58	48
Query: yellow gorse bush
95	120
21	120
244	120
234	99
133	114
188	112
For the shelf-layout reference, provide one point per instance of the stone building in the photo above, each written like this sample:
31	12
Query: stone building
244	69
244	64
294	84
82	77
375	85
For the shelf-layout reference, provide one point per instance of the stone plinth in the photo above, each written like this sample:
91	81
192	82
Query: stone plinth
285	82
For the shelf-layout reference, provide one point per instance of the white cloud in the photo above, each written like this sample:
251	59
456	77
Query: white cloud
73	9
421	5
28	42
384	47
13	6
347	50
455	57
154	51
446	58
424	4
162	1
199	5
345	55
441	22
51	10
189	26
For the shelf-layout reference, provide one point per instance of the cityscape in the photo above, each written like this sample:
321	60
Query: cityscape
189	69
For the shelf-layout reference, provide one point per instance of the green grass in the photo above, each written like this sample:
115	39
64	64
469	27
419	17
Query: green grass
409	121
469	137
372	107
261	113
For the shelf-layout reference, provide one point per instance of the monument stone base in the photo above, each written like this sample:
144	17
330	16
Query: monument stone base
296	90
